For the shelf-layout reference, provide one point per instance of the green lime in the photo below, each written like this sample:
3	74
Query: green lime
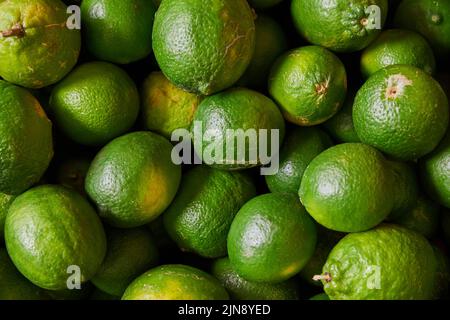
435	172
5	202
95	103
263	4
309	84
241	289
72	173
15	286
386	263
175	282
130	253
402	111
340	25
429	18
26	144
204	49
166	107
118	31
133	179
271	238
270	43
320	296
66	234
300	146
348	188
200	216
36	45
397	46
229	126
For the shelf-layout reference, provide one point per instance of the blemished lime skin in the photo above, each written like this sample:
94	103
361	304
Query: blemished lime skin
118	31
340	126
204	49
435	172
241	289
271	238
166	107
175	282
386	263
200	216
15	286
397	46
5	202
64	230
423	217
348	188
130	253
26	144
263	4
270	43
236	109
133	180
341	25
402	111
320	296
309	84
300	146
429	18
95	103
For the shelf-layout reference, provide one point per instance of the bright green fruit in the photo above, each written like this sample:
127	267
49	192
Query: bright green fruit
435	172
64	231
402	111
95	103
72	173
200	216
341	25
442	274
36	46
263	4
309	84
130	253
241	289
118	31
13	285
386	263
348	188
204	48
175	282
5	202
397	46
271	238
270	43
429	18
320	296
340	126
26	145
240	110
133	179
166	107
423	217
299	148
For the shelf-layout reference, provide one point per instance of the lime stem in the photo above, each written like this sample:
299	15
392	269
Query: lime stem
16	31
326	276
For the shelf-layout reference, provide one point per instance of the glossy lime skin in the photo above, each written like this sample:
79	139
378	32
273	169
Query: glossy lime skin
402	111
271	238
64	230
26	143
386	263
236	109
309	84
95	103
299	148
200	216
130	253
397	46
429	18
46	52
348	188
204	49
342	25
241	289
118	31
132	180
175	282
435	172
